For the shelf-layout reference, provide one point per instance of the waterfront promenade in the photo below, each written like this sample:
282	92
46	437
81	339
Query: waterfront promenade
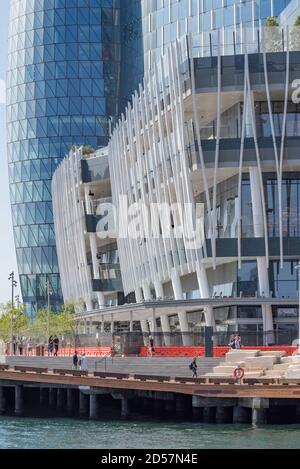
32	387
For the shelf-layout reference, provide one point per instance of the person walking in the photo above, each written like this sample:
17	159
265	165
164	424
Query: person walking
193	368
232	342
84	363
55	344
75	361
50	346
237	342
151	345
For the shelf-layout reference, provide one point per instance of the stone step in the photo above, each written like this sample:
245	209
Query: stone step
260	362
240	355
281	366
275	373
277	353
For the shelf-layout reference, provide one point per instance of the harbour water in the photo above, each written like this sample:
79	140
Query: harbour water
34	433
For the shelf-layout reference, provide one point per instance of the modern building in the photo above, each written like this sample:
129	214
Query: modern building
62	88
88	265
215	135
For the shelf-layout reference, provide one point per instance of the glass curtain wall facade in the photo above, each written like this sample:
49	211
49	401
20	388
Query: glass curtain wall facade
167	20
63	86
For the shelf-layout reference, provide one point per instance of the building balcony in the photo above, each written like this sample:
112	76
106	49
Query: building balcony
110	279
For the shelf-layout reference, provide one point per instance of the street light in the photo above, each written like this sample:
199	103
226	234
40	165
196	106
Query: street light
298	269
13	285
49	292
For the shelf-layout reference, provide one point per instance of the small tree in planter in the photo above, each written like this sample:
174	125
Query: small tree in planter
272	39
295	35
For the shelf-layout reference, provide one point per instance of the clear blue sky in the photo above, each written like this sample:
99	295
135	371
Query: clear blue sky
7	251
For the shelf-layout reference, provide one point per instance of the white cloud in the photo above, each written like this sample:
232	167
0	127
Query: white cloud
2	92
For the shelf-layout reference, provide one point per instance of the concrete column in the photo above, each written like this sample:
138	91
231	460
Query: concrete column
197	410
70	400
138	295
102	325
158	406
96	271
147	292
262	267
259	411
159	289
83	404
259	416
169	407
111	323
180	406
164	320
124	408
94	406
85	326
130	322
153	322
209	414
145	330
61	398
43	397
52	397
19	400
178	295
240	415
205	294
223	415
2	401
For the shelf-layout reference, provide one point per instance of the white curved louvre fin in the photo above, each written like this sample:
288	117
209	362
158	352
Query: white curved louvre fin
257	152
217	152
197	128
241	161
283	134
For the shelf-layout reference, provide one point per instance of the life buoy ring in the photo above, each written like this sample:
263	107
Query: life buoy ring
239	373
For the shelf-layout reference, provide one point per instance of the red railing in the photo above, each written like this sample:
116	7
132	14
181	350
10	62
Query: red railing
200	351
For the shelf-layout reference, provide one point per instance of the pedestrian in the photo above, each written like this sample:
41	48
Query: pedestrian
193	367
84	363
55	343
50	346
232	343
75	361
237	342
151	345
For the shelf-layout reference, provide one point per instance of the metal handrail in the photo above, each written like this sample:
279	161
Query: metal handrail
100	361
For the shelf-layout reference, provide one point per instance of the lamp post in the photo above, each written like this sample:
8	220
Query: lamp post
13	285
49	292
298	269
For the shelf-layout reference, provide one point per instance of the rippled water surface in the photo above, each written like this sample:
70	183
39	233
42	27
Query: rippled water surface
65	433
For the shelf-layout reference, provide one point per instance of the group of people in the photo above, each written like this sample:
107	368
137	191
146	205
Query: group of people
53	344
235	342
79	362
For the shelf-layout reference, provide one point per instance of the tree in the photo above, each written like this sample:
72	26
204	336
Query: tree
272	38
13	320
271	21
295	35
88	150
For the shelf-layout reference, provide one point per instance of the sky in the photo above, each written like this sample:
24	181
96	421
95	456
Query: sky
7	250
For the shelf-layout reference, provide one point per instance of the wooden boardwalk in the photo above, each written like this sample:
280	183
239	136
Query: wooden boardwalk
202	387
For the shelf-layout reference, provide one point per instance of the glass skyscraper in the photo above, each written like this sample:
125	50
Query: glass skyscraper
63	86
